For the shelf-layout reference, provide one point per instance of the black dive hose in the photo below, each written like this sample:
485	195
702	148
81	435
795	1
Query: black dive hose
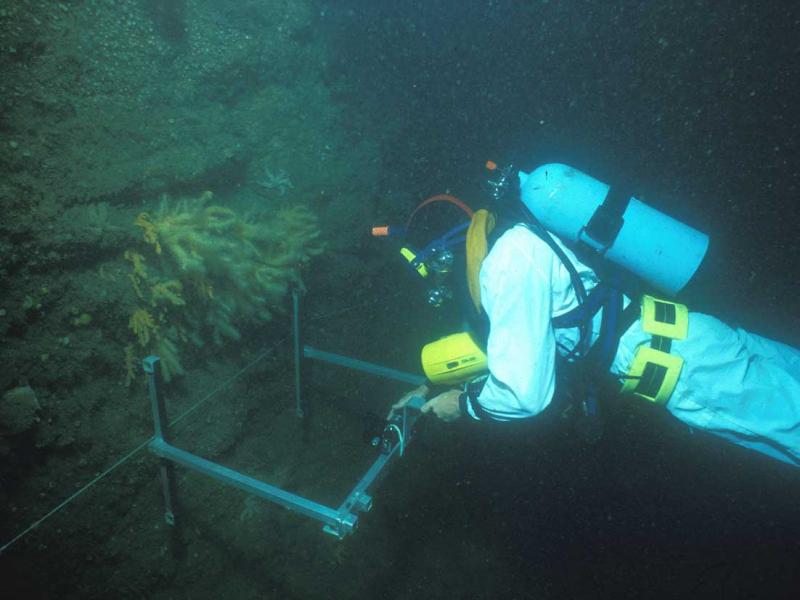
584	338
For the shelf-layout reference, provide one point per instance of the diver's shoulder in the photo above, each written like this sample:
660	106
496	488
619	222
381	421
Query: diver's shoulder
517	238
518	244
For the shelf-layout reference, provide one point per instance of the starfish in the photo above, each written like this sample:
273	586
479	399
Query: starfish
278	181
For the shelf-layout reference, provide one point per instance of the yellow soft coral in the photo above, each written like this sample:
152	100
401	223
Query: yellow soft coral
136	283
187	230
130	365
139	273
301	225
203	288
168	354
170	291
143	325
137	260
149	230
219	217
217	272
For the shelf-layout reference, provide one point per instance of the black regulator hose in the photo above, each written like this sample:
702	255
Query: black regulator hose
584	339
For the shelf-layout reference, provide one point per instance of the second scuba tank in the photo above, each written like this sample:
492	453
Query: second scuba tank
582	210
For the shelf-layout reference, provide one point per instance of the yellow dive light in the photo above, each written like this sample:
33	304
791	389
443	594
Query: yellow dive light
453	359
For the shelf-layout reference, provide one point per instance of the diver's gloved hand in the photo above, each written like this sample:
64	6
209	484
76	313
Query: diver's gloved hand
444	406
420	391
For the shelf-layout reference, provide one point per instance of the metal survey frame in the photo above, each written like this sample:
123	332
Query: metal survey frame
338	521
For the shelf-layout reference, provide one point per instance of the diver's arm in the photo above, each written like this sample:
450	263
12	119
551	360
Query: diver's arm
516	293
421	391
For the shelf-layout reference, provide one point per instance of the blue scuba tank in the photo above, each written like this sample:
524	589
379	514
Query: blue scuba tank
582	210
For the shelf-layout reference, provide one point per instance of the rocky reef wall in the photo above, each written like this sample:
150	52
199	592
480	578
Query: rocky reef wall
107	106
119	122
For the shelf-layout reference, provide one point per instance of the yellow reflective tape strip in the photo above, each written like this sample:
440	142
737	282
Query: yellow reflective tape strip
653	375
410	257
653	315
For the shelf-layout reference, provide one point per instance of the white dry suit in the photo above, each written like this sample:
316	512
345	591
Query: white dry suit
737	385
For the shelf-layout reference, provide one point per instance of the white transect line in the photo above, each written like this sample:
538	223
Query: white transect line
136	450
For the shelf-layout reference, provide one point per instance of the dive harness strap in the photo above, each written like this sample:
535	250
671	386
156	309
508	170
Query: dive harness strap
599	356
599	233
654	371
602	297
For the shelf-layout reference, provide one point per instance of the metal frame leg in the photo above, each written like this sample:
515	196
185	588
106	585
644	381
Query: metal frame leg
166	469
299	408
339	521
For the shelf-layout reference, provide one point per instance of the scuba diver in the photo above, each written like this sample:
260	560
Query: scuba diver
548	287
